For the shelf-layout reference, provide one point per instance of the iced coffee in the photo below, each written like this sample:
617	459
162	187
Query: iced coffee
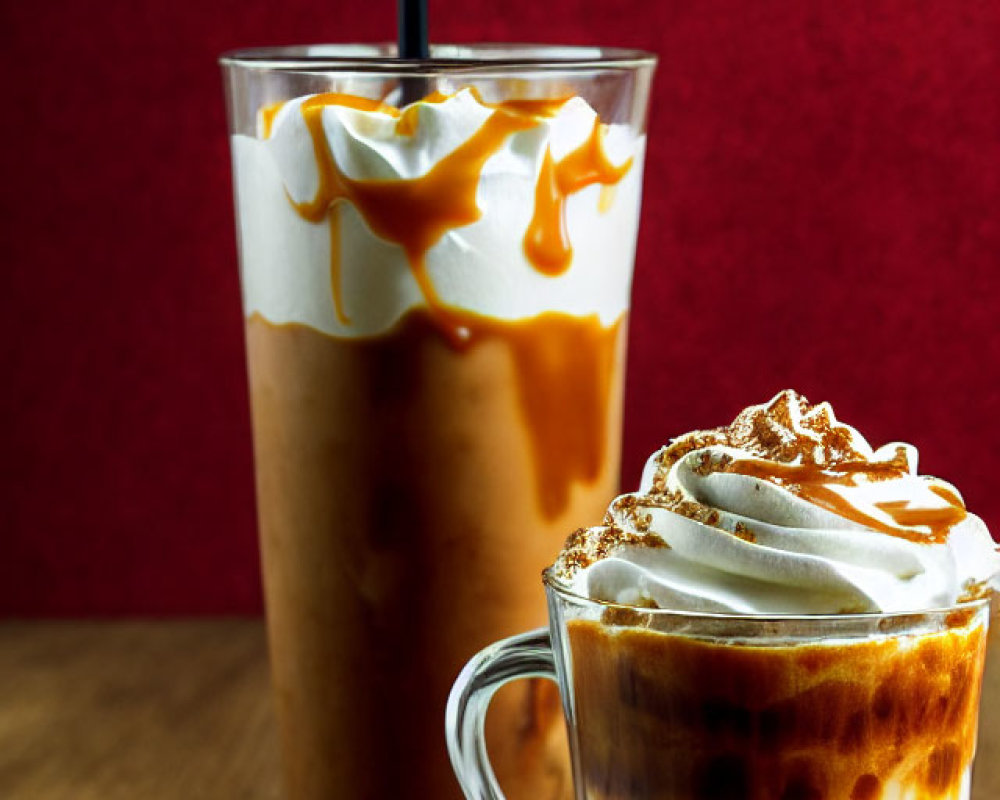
771	623
436	301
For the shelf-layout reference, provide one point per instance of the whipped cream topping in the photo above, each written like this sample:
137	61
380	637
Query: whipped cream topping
785	511
312	256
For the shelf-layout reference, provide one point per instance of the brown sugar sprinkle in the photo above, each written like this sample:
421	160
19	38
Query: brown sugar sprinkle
697	512
588	545
788	442
975	590
742	531
576	554
643	522
960	617
707	465
680	447
634	508
769	433
805	450
708	516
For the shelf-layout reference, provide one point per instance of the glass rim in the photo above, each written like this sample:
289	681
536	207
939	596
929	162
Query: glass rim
560	589
445	58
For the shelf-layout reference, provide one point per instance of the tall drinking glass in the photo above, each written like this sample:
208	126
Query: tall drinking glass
667	705
436	298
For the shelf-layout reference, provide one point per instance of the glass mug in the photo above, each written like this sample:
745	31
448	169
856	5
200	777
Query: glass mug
682	706
435	360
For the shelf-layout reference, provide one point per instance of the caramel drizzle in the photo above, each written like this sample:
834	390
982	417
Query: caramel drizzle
812	482
564	367
528	106
939	520
948	496
409	117
564	376
267	115
333	218
546	242
841	473
564	370
413	213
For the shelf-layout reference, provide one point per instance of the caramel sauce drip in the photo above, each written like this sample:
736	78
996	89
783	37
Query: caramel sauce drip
333	219
812	482
939	520
948	496
409	118
564	365
811	720
528	106
564	368
840	473
413	213
435	97
407	123
267	115
546	242
354	101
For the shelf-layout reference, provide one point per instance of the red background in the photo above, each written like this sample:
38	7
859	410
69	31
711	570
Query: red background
821	212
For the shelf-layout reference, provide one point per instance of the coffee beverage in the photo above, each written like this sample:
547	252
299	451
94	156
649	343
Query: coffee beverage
675	717
390	473
770	544
436	305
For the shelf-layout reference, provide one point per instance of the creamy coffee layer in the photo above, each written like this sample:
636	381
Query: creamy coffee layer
786	510
673	717
391	474
436	301
746	531
353	212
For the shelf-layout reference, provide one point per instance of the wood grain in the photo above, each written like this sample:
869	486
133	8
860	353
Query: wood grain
986	767
108	710
172	710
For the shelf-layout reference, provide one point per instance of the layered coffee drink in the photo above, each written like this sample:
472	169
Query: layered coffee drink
436	303
887	718
794	647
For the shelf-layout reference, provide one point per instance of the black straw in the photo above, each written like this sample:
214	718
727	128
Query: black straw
413	45
412	19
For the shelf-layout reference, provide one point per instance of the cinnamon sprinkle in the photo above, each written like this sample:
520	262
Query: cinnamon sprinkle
742	531
586	546
802	448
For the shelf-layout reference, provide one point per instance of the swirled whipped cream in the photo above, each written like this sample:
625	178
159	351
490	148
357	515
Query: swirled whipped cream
315	252
785	511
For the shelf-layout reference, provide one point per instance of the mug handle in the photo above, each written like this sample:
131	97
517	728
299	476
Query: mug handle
527	655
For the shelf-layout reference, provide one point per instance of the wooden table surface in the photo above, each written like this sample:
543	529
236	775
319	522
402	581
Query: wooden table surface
176	710
137	711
